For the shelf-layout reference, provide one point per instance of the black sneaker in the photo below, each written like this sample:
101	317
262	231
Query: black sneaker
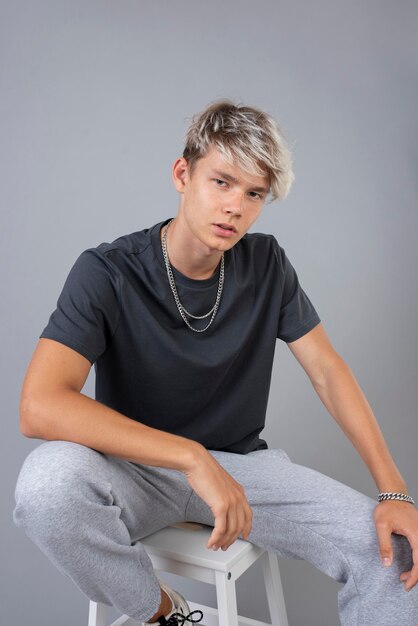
180	613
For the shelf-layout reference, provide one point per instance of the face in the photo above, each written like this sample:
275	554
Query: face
217	194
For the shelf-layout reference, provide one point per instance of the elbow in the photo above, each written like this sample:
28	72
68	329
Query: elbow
327	369
28	425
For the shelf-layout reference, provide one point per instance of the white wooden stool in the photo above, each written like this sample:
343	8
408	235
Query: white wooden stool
181	549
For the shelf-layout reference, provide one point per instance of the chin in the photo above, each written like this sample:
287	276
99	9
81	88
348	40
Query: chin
222	246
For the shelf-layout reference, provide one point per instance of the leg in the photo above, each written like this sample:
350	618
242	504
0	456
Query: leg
303	514
86	511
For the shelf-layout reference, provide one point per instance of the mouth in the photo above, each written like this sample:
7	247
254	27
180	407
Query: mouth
226	226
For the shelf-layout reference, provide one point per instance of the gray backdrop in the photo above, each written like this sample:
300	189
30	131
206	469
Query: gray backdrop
95	100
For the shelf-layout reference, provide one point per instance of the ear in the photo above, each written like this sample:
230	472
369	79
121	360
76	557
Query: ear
180	174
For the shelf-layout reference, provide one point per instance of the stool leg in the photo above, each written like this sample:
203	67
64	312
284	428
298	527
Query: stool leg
97	614
227	600
274	589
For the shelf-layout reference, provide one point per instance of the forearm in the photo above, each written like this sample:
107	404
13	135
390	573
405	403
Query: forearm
72	416
342	396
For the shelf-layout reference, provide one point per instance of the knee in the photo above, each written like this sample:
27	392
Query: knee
364	543
359	540
53	479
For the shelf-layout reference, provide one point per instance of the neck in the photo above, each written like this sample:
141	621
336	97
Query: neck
191	259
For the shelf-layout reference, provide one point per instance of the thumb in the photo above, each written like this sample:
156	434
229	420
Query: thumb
385	546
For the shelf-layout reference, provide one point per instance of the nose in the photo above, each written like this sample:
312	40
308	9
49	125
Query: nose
235	204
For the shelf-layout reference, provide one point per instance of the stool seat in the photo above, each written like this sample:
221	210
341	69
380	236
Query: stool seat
181	549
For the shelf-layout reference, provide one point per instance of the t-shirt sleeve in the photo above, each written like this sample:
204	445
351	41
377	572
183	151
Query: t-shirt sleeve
297	313
88	307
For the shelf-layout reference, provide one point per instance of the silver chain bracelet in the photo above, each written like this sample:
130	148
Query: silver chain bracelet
389	495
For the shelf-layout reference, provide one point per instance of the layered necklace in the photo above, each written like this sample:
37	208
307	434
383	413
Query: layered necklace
183	312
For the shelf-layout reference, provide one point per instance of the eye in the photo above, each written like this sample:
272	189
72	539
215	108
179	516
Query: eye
219	180
257	194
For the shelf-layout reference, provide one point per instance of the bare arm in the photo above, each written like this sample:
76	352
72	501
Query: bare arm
341	394
53	407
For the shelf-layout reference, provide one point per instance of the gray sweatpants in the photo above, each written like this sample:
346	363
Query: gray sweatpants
87	511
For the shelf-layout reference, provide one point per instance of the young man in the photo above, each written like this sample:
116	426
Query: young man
180	321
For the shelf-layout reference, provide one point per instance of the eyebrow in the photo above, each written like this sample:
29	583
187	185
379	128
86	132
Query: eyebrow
235	180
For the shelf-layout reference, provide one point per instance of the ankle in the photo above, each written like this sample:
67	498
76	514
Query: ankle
164	608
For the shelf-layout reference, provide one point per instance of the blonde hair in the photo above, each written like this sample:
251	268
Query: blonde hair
246	135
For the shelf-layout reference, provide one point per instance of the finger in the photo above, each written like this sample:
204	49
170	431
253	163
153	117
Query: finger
248	515
248	521
412	580
405	575
242	521
385	543
412	575
218	531
231	530
244	516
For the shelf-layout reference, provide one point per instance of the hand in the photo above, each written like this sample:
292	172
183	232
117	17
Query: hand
226	498
400	518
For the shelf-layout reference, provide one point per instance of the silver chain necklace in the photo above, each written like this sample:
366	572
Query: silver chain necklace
180	307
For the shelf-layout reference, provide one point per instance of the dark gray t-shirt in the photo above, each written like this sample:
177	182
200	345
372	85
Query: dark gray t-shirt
116	308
